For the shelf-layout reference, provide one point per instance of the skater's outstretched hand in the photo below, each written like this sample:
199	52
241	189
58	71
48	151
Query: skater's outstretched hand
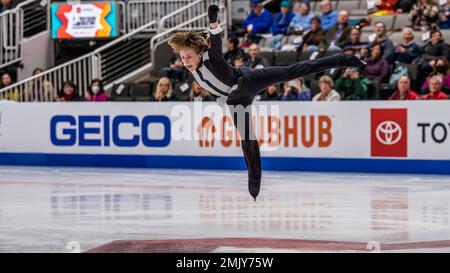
213	12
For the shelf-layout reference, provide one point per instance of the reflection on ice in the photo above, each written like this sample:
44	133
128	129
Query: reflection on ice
42	209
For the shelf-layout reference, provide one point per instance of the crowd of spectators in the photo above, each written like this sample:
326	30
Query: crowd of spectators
297	30
332	31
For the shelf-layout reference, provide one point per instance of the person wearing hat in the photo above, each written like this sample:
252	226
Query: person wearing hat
281	24
237	88
258	22
329	17
302	19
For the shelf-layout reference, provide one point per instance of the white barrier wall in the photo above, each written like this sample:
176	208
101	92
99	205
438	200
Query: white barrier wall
344	136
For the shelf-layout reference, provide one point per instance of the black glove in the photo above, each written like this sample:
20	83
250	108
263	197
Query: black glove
213	12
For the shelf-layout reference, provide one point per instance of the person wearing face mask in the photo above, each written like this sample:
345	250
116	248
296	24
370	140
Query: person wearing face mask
96	91
441	70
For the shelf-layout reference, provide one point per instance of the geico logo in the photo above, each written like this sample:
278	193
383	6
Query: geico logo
437	131
290	131
100	130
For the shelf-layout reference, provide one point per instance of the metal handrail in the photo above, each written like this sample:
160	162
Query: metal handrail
150	10
91	60
13	31
164	36
95	64
170	15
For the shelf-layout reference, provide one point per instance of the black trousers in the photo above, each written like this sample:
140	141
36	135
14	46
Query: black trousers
254	81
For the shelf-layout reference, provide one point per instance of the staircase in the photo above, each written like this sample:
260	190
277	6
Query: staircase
25	20
123	58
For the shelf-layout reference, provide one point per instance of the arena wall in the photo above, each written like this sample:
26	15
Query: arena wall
387	137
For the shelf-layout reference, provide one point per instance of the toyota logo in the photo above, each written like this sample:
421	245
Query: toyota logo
389	132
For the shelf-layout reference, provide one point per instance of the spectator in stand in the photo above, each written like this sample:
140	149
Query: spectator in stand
69	93
424	15
240	61
314	39
382	39
445	17
301	22
295	90
353	85
175	70
441	70
435	47
404	91
6	80
258	22
39	89
338	35
435	90
404	6
407	51
355	43
164	90
329	17
6	5
96	91
197	93
377	67
327	92
255	60
233	50
271	94
281	24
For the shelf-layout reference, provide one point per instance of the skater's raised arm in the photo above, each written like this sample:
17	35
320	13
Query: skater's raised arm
216	30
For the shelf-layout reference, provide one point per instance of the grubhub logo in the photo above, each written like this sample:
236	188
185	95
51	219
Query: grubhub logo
389	136
271	132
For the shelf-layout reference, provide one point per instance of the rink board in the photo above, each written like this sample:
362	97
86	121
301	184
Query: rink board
393	137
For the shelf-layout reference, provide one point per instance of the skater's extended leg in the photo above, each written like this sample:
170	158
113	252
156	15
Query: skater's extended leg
259	79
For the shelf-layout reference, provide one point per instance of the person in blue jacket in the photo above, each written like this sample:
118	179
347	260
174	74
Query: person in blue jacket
281	24
329	17
258	22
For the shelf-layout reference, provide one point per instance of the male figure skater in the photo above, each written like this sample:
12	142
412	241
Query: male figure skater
238	87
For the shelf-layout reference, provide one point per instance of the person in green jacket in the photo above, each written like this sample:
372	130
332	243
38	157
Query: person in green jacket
353	85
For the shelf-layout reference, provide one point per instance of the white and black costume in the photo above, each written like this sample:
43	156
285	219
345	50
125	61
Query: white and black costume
239	87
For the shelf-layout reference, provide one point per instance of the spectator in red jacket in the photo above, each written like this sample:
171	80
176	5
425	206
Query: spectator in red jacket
404	91
435	90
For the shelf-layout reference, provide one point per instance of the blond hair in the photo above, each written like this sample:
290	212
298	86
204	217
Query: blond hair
190	39
328	80
159	94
